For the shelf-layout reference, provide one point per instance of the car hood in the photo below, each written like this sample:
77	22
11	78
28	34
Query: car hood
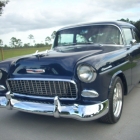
49	64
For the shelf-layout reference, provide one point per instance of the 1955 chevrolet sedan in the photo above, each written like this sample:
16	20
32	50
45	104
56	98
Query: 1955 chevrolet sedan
84	76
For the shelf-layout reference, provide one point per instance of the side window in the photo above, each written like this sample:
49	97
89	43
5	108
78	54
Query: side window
136	36
128	35
65	39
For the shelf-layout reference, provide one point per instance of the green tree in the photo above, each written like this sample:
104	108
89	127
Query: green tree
39	45
31	37
26	45
14	42
3	4
47	40
127	20
1	43
135	23
53	34
19	43
5	46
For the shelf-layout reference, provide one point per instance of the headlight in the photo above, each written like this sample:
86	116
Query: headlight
86	73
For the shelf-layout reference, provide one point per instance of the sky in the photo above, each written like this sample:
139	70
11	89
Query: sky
40	18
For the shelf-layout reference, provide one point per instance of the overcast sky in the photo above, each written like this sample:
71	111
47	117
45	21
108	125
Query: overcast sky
41	17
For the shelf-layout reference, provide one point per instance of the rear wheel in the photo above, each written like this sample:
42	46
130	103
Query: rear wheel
115	102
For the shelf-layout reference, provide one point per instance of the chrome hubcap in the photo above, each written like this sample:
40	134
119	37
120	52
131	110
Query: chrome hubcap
117	100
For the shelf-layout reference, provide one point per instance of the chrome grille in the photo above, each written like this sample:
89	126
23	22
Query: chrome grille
47	88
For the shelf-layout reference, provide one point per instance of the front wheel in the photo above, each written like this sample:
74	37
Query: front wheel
115	102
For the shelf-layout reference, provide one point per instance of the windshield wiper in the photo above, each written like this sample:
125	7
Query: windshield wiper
69	44
80	43
86	43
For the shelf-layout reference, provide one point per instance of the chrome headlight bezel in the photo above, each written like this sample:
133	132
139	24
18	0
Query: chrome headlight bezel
90	73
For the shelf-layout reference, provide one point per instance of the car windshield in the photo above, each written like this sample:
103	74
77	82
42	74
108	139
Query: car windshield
95	34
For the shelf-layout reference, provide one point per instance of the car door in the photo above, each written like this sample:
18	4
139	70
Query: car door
136	70
130	34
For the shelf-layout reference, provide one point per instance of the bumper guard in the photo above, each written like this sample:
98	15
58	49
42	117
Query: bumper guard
75	111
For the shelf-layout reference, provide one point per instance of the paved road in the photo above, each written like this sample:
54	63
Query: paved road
16	125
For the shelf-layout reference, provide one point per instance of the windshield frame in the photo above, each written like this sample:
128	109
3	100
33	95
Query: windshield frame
88	43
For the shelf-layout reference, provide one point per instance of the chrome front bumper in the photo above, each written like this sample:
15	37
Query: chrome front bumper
75	111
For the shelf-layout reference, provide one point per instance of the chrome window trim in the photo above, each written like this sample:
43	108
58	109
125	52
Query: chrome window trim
97	24
42	79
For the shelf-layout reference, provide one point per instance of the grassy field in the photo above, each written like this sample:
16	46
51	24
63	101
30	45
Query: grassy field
22	51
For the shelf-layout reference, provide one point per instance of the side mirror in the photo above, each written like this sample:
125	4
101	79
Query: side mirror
133	41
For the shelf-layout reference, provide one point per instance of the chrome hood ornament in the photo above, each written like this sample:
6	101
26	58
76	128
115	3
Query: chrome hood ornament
37	53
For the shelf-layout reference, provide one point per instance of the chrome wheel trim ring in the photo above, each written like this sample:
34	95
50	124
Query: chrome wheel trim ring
117	99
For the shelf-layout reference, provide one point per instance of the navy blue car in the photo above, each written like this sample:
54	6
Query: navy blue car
84	76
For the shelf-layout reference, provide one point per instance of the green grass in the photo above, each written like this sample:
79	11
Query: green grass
21	51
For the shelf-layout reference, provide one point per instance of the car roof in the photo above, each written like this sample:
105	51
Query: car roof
117	23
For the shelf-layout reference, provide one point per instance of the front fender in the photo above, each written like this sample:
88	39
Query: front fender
122	76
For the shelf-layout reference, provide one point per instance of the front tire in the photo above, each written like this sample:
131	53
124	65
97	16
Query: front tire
115	102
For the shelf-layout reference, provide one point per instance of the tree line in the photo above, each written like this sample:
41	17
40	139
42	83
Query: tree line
135	23
2	5
17	43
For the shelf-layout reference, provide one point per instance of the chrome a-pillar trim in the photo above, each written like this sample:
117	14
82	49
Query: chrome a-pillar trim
75	111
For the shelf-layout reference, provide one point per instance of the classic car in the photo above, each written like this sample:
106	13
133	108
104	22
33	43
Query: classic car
84	76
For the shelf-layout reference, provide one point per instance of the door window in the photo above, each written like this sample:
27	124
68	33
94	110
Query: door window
128	35
65	39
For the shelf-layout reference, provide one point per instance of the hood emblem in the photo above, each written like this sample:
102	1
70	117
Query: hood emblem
35	71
